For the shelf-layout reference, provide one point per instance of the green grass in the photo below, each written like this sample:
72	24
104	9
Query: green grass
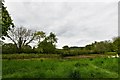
61	68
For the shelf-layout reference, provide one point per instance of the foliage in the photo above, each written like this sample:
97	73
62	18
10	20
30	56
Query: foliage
88	47
46	47
116	44
5	21
101	47
9	48
48	44
39	35
27	49
76	52
65	47
51	38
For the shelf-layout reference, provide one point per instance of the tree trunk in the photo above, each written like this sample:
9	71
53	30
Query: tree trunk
20	45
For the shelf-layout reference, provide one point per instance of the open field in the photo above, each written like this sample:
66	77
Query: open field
60	68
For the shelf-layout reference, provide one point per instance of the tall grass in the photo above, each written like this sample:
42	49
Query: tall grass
61	68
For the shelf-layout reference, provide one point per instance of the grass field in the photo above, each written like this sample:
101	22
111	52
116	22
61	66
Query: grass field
60	68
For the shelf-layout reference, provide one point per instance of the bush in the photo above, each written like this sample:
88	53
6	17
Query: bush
12	49
9	48
76	52
27	49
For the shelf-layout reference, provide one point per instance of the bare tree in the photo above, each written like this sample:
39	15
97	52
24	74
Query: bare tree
21	36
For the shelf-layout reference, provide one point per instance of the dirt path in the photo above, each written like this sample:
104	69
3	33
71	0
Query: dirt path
88	56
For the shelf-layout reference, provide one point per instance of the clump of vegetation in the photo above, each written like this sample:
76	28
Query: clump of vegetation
77	64
74	74
91	59
102	62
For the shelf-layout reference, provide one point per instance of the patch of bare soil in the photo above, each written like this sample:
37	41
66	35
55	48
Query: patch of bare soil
87	56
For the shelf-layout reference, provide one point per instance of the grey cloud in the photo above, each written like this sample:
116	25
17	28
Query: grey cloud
76	23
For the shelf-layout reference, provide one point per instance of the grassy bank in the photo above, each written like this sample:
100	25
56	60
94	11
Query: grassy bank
61	68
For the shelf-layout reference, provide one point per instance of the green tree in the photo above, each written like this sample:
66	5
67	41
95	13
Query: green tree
88	47
116	44
65	47
46	47
48	44
39	35
6	23
51	38
102	47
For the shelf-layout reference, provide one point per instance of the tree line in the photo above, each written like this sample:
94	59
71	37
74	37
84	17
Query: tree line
47	45
102	47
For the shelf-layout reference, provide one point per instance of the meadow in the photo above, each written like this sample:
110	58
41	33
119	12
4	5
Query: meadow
99	67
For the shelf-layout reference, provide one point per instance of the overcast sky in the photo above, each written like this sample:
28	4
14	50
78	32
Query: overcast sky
74	23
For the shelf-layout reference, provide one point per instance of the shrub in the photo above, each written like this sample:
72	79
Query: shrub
9	48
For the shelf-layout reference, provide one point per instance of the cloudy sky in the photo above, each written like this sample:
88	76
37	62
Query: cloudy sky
74	23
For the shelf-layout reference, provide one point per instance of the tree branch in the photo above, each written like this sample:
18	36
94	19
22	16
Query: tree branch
30	40
12	40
